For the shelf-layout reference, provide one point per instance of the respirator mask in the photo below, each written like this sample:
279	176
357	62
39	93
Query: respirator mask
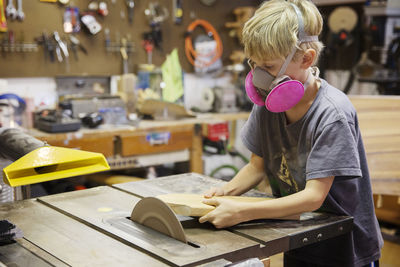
279	93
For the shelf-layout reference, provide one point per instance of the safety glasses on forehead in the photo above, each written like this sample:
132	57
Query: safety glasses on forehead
278	93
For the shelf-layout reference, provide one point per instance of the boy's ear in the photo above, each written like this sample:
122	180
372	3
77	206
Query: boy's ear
308	58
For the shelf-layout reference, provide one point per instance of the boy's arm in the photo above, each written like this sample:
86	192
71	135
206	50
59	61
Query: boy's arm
248	177
309	199
229	212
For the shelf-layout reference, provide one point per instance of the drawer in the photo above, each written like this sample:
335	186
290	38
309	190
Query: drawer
157	141
103	144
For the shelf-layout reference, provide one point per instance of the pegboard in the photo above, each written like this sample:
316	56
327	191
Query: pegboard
41	16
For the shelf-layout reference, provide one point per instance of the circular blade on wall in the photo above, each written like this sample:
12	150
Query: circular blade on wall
342	18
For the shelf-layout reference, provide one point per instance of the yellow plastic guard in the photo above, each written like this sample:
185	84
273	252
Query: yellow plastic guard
51	163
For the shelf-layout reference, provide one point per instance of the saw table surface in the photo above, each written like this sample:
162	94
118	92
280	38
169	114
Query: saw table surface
91	228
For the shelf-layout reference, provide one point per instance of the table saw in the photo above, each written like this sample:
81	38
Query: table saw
93	228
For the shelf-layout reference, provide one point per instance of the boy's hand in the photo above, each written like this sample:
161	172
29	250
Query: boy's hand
226	213
214	191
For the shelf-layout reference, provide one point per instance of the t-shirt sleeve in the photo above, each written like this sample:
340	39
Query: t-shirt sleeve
251	132
334	153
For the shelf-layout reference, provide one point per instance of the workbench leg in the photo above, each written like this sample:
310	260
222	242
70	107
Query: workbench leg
196	152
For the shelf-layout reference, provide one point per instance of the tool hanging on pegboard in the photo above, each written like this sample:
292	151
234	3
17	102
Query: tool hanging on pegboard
89	20
71	20
75	44
14	12
20	12
9	45
148	45
131	5
3	21
48	46
124	55
156	14
177	11
206	55
99	7
11	11
116	45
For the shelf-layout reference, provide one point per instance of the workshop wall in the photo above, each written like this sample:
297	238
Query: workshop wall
48	17
342	54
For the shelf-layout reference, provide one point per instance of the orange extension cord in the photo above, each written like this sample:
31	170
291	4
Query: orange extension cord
191	53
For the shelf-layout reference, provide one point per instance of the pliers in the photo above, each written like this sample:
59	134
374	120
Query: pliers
76	43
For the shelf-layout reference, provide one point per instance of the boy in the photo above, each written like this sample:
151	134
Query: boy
304	138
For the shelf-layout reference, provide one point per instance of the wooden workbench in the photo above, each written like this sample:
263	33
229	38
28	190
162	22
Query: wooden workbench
90	228
150	143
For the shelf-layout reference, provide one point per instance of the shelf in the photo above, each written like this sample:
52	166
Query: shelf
382	11
336	2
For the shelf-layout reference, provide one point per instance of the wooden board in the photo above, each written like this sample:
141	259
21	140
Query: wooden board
192	204
383	123
375	103
103	208
378	119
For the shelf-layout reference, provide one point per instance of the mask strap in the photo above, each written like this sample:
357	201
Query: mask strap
312	72
286	63
308	80
315	72
302	38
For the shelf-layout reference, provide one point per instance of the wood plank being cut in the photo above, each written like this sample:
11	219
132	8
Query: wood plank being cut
192	204
107	210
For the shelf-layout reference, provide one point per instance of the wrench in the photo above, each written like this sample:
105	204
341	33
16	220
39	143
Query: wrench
61	44
131	5
11	12
63	48
20	12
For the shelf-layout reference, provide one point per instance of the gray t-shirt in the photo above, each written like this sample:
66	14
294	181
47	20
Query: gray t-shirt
325	142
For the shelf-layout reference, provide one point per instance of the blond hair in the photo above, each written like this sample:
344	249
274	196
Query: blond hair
273	30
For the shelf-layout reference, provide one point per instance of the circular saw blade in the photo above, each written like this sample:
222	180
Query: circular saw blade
155	214
342	18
